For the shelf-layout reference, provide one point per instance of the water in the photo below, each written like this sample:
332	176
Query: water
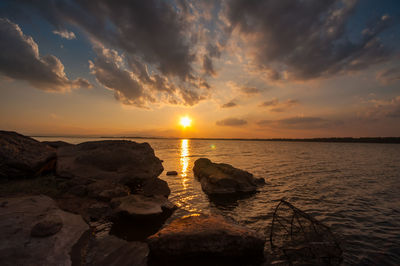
352	187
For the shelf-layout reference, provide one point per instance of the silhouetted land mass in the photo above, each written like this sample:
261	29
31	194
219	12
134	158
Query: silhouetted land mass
389	140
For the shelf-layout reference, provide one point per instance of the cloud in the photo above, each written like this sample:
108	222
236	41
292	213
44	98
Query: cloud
276	106
389	76
232	122
249	91
20	59
69	35
229	104
380	109
134	85
300	123
208	66
307	41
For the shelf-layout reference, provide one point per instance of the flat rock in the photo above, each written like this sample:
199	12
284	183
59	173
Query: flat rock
205	236
51	225
115	160
111	250
221	178
140	205
23	157
19	215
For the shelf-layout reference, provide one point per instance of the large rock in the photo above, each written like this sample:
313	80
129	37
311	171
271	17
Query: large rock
221	178
34	231
205	236
22	156
110	159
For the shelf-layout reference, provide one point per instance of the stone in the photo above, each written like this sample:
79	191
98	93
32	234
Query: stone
105	190
200	235
172	173
110	250
18	247
114	160
23	157
47	227
140	205
221	178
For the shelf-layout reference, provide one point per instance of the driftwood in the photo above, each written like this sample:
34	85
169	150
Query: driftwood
300	239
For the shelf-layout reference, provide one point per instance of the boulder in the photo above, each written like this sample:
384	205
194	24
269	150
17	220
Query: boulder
34	231
22	156
221	178
140	205
200	235
116	160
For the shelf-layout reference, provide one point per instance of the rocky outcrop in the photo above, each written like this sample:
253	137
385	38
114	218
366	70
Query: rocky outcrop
221	178
23	157
198	236
140	205
56	144
34	231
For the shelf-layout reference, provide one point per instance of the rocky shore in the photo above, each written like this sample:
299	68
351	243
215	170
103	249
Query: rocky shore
103	203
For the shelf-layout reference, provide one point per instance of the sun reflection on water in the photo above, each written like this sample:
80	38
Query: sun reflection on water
184	160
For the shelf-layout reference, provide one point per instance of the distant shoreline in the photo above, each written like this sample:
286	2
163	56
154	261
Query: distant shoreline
385	140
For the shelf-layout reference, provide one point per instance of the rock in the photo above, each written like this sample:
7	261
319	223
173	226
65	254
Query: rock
172	173
111	250
49	226
155	186
18	247
114	160
105	190
140	205
98	211
221	178
199	235
22	156
56	144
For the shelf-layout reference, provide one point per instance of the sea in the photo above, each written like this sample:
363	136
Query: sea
354	188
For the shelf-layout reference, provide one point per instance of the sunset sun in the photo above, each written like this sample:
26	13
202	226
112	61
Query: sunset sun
185	121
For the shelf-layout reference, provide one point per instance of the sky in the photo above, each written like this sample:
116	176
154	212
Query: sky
237	68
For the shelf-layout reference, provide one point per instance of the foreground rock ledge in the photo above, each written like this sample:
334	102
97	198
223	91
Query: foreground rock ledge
221	178
202	235
22	244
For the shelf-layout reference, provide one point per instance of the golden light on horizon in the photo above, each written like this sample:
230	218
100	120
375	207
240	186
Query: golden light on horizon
185	121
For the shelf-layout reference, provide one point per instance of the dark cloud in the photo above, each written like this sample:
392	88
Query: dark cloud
300	123
389	76
308	40
250	90
233	122
276	106
229	104
208	66
152	30
20	59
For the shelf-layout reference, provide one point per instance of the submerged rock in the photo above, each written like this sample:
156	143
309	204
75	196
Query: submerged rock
199	236
172	173
22	156
221	178
58	231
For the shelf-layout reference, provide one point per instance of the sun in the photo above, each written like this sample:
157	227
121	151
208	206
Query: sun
185	121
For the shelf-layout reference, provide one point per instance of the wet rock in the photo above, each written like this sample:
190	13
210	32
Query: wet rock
47	227
21	156
140	205
18	247
108	160
221	178
111	250
172	173
199	236
98	211
106	190
56	144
